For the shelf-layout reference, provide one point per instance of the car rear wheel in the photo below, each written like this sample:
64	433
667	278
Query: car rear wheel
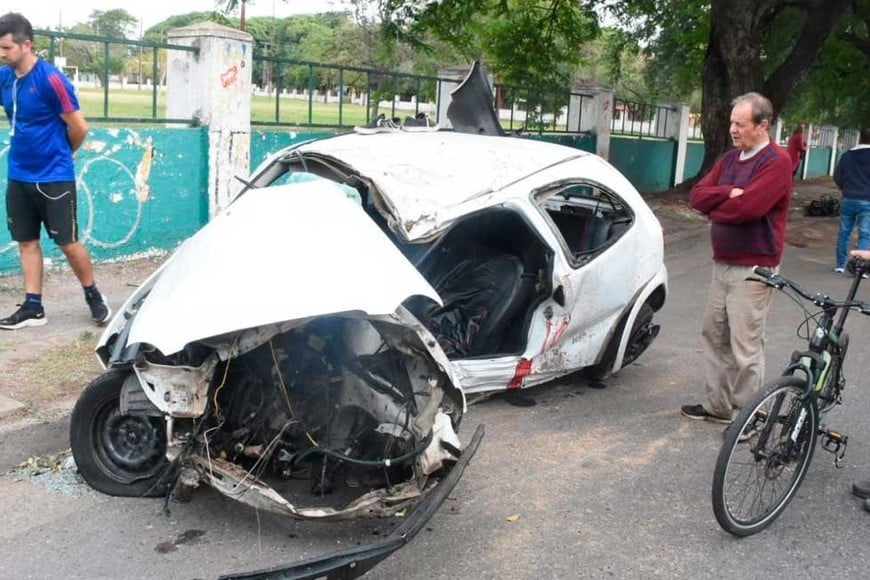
643	331
121	455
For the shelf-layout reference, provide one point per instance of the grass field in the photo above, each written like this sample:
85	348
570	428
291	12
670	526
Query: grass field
131	103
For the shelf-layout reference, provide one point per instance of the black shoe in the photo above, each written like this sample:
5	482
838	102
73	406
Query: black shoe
861	489
100	311
24	316
698	413
379	124
420	122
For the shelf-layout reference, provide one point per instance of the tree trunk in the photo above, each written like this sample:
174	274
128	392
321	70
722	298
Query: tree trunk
734	62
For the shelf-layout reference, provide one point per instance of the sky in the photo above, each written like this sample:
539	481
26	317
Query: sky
51	13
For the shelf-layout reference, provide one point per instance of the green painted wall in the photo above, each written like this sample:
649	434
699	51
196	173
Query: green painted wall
118	217
264	143
647	163
142	190
817	161
582	142
694	159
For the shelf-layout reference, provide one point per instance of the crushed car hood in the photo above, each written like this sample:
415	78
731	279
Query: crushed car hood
275	254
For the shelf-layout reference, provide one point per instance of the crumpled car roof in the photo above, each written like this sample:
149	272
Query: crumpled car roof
423	174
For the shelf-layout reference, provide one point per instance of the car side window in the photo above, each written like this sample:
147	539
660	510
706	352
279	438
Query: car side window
588	217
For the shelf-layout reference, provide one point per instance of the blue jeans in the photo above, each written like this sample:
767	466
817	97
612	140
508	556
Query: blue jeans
852	212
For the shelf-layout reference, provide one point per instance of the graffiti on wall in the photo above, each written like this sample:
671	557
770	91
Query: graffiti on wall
138	191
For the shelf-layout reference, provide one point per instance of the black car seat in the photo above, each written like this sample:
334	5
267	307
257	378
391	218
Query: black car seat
483	291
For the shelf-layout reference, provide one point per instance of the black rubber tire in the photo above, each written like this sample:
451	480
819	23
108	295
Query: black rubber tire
763	468
116	454
641	324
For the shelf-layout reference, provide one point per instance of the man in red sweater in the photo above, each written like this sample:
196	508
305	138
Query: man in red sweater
747	196
797	148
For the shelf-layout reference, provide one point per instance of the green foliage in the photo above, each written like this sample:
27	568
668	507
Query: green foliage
838	85
673	35
157	33
117	23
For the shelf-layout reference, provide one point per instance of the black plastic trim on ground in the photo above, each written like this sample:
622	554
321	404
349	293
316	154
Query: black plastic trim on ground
355	562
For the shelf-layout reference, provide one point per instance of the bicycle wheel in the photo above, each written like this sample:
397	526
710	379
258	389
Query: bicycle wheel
764	457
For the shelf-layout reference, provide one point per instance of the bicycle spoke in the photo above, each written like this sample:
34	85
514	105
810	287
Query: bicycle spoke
756	477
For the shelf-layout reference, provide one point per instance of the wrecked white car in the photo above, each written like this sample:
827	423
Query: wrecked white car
310	349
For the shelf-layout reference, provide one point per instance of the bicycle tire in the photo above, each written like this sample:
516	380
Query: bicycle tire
754	482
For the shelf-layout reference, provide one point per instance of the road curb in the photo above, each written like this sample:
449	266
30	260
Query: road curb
24	439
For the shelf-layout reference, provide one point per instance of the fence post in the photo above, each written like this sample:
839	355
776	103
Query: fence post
775	131
810	142
214	86
675	127
833	161
596	117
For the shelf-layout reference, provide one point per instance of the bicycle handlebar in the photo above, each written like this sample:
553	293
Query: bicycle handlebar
857	265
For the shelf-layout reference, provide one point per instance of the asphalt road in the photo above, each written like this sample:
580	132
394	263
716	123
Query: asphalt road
587	483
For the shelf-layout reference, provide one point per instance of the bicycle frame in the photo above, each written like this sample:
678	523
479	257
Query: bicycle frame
826	349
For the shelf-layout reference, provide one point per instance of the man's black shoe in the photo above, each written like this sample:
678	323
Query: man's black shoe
100	311
862	489
698	413
24	316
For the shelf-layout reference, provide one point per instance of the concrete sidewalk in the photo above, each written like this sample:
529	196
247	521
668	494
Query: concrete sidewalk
42	370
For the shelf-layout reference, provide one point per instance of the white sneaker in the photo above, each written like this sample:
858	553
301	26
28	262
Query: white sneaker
379	124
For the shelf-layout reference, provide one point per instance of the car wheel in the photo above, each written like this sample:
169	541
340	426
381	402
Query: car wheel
121	455
643	331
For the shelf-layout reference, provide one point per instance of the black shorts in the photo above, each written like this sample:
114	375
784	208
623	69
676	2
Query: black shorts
29	205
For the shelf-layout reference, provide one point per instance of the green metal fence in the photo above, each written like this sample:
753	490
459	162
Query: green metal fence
123	81
106	61
319	95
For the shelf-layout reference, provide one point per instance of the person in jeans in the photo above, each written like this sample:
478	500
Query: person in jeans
746	196
852	176
45	129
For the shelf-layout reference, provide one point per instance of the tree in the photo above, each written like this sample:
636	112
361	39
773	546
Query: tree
524	42
838	85
117	23
768	46
230	6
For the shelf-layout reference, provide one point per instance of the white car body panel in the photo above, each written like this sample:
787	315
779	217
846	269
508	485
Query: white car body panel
229	276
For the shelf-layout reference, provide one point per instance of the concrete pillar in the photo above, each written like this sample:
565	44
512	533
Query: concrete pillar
214	86
591	111
675	126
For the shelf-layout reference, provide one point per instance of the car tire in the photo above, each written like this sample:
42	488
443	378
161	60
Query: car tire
120	455
639	339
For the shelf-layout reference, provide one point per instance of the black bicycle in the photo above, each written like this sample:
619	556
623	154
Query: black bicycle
769	446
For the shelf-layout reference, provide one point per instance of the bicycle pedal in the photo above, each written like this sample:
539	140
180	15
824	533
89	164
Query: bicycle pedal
835	442
836	436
